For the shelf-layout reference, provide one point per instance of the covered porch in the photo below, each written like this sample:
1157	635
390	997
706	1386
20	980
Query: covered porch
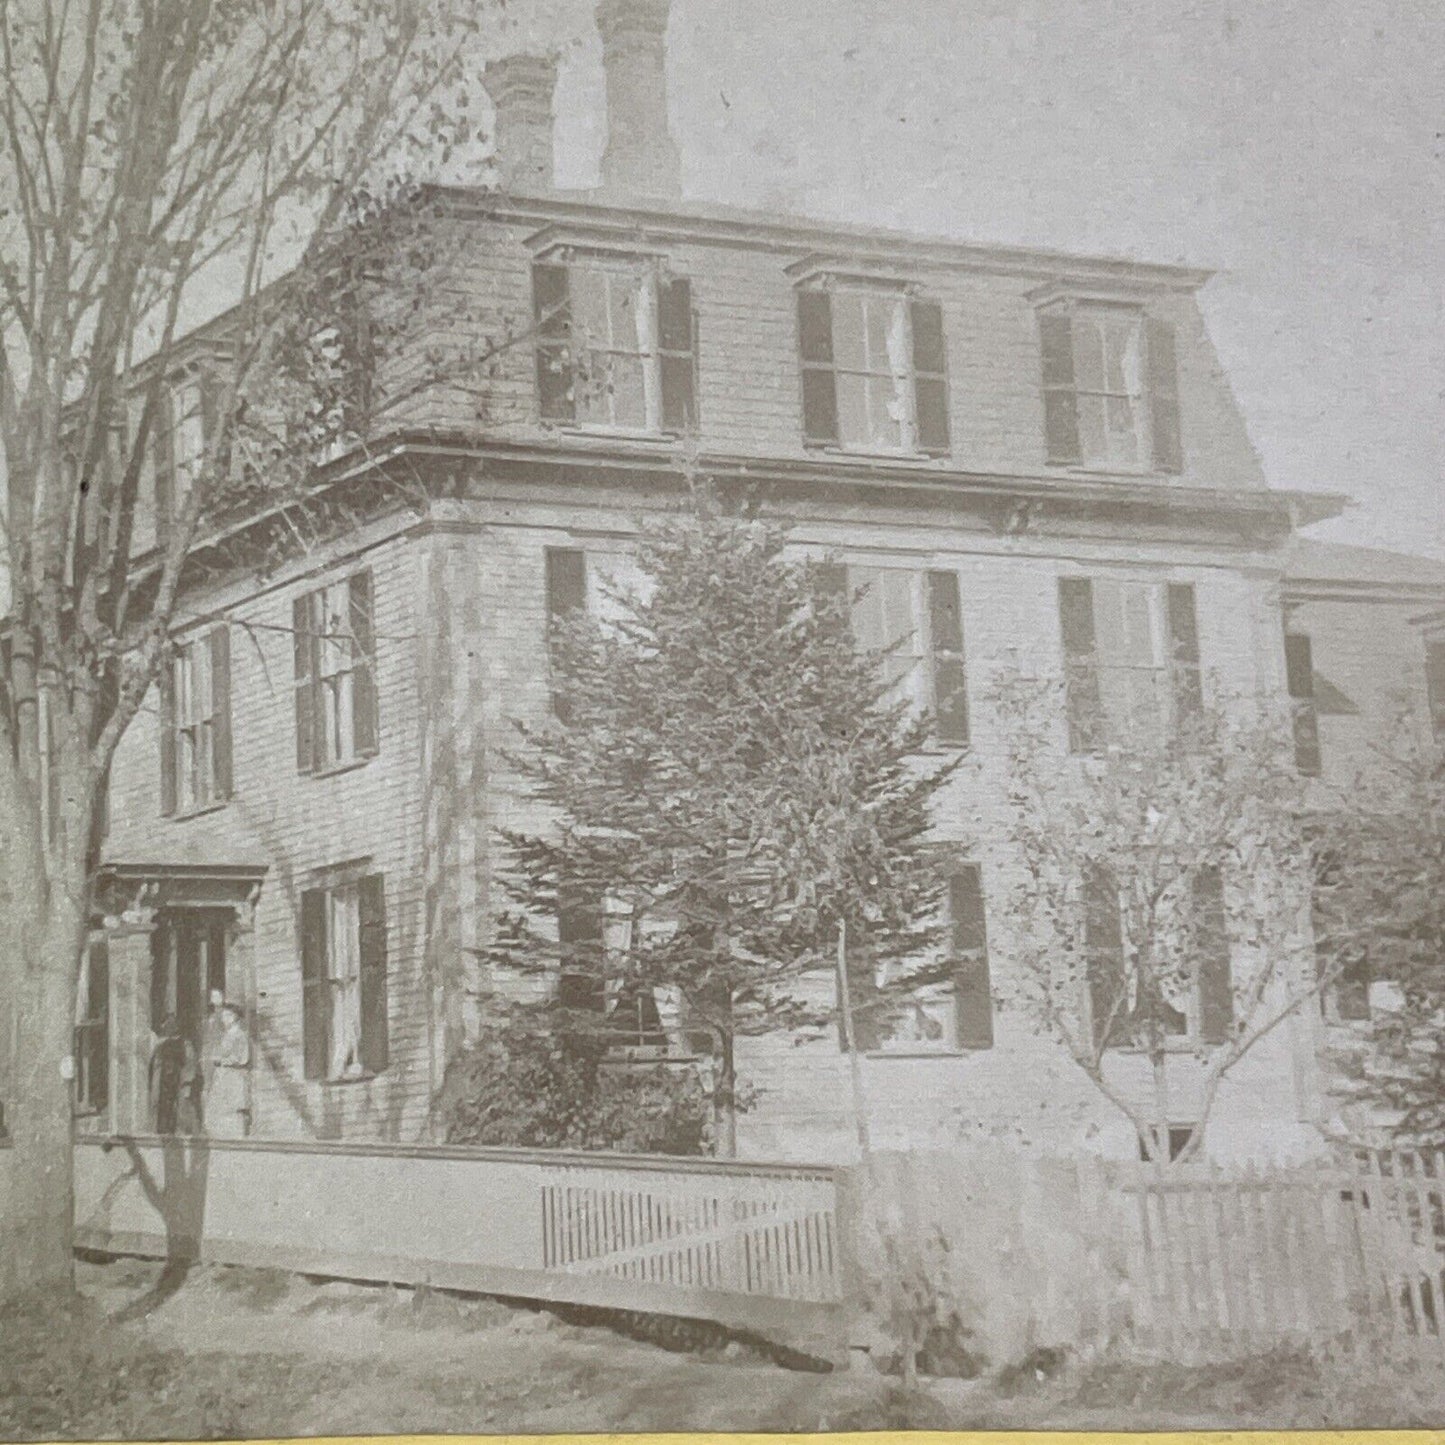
165	939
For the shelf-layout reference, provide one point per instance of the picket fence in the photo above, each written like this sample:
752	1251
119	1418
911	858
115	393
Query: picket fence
1350	1251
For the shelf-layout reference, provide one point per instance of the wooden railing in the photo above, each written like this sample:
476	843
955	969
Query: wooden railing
773	1234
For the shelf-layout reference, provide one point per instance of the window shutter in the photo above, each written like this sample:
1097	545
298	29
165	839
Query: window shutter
580	985
1300	680
930	379
1061	405
677	360
1081	678
1435	686
945	637
566	594
566	582
551	302
1184	651
1163	382
1216	986
820	391
972	991
1104	959
375	1029
366	733
168	736
221	709
303	636
315	989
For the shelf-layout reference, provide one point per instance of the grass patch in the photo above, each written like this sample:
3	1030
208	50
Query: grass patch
72	1373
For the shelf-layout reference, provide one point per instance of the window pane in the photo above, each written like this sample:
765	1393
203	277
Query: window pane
629	392
854	428
895	346
1121	418
343	972
622	304
849	331
888	411
591	313
868	609
1088	353
1138	625
1093	443
899	620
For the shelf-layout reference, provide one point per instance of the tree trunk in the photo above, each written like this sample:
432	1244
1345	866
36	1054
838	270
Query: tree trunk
39	1223
725	1095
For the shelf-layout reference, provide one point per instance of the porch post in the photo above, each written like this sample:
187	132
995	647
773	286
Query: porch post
242	988
128	941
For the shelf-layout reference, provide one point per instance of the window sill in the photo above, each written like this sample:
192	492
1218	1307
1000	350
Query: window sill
921	1053
1121	473
335	770
620	433
1175	1044
875	454
349	1081
180	816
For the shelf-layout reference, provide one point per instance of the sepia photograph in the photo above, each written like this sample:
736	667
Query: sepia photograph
721	716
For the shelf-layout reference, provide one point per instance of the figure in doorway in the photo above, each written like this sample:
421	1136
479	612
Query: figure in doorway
175	1082
228	1108
211	1040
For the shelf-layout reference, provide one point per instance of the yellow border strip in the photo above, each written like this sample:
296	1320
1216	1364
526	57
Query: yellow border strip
884	1437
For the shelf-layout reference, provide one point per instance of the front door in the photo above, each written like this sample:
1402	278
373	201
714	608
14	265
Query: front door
188	962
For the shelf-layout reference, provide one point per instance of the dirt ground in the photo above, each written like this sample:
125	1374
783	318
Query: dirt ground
227	1353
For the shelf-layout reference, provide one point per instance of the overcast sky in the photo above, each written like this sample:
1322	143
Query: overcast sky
1299	148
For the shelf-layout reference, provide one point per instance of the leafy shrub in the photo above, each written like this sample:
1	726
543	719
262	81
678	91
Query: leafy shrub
528	1085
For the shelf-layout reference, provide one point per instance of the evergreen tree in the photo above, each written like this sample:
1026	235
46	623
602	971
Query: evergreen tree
729	783
1380	915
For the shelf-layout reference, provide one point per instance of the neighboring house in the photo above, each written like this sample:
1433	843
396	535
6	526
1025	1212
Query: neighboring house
1365	662
1029	456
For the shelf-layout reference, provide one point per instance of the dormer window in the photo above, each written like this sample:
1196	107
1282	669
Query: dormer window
1111	393
873	369
615	345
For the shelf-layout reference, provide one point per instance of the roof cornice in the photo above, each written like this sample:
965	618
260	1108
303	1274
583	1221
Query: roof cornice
604	220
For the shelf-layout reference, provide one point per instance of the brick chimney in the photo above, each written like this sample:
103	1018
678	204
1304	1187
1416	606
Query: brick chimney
641	157
522	88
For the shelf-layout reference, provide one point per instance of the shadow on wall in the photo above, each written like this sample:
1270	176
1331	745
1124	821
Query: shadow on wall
332	1111
179	1197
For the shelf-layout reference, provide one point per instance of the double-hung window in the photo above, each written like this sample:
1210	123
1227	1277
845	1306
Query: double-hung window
344	979
945	1005
616	345
1190	994
196	724
1131	659
1111	389
335	663
913	620
874	370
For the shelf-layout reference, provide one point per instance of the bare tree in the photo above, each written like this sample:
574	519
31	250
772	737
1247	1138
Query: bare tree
1161	895
156	154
